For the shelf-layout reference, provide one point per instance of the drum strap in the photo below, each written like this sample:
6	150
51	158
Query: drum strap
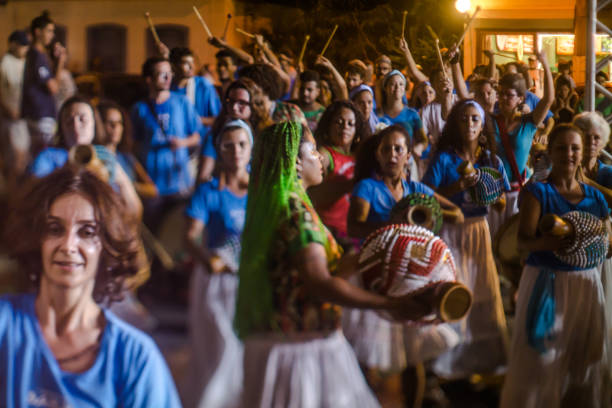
505	138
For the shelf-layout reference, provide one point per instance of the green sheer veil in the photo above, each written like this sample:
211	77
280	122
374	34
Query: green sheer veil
273	178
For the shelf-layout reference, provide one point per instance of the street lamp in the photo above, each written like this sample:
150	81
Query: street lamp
463	6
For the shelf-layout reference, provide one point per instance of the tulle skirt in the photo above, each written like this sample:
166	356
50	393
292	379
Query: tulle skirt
377	343
483	335
572	370
305	370
216	366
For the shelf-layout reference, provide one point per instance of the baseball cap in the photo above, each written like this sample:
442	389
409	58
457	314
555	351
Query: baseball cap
20	37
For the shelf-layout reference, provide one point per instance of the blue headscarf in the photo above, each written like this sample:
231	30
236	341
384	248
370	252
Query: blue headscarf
390	75
241	124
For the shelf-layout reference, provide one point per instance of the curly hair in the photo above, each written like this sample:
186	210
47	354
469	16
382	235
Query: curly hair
121	257
266	77
449	139
514	81
362	129
366	163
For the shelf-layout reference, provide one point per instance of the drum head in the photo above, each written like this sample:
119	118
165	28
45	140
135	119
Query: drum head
505	244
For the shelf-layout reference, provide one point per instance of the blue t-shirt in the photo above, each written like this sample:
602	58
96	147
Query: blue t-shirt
174	118
47	161
129	370
551	202
520	140
604	175
221	211
207	102
37	101
380	198
126	161
209	146
442	171
408	118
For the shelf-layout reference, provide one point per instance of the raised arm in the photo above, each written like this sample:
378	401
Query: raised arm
237	52
338	84
460	87
491	68
541	109
414	72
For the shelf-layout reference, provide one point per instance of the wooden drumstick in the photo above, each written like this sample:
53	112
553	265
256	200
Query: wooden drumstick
432	32
152	28
467	26
199	16
404	14
229	17
303	49
329	40
440	58
241	31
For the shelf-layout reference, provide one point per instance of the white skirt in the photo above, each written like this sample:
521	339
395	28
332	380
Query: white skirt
498	218
570	372
483	335
216	365
377	343
606	281
306	370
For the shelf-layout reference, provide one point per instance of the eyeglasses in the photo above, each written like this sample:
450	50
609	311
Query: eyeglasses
163	75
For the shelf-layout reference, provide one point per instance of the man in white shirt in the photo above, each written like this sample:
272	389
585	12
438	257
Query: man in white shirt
14	137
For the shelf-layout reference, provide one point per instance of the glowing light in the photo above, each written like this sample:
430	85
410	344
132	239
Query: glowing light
463	6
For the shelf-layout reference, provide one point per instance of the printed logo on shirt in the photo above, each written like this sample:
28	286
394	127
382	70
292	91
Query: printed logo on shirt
43	72
164	121
47	399
345	168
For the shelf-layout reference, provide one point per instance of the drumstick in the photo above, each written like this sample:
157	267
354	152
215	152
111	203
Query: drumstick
152	28
303	49
203	22
605	154
467	26
329	40
440	58
157	248
432	32
405	13
229	17
241	31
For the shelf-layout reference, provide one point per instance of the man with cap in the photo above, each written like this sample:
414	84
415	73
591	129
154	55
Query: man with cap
14	137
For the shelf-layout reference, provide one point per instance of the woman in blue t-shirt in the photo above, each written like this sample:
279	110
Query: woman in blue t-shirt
558	355
118	140
216	218
59	346
484	339
381	183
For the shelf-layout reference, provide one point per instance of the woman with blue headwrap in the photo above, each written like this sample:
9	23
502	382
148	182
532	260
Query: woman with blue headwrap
216	218
482	348
363	98
559	353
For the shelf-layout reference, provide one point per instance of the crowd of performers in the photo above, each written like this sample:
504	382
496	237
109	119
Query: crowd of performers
296	166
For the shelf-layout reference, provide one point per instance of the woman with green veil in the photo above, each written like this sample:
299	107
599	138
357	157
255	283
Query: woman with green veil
292	286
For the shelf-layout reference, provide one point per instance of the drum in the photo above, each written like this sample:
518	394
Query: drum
402	259
229	252
589	237
489	186
418	209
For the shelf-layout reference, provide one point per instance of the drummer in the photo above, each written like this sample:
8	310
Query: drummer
558	354
381	183
483	332
216	212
